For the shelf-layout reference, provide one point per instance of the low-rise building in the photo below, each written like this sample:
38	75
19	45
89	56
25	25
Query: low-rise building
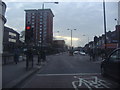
59	43
112	40
10	39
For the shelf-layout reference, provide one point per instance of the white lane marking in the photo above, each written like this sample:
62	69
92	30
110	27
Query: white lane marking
68	74
90	82
74	86
87	84
101	82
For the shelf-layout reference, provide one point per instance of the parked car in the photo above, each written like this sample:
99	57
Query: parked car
82	53
76	52
110	66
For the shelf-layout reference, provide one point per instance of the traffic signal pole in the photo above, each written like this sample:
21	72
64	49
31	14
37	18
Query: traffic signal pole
28	42
41	47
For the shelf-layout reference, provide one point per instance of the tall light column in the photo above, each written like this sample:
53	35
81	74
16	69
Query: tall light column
43	7
105	41
71	35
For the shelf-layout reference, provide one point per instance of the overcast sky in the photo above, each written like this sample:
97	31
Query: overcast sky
85	17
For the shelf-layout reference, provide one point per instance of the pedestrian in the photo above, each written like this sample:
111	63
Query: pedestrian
91	54
16	55
43	56
29	57
38	52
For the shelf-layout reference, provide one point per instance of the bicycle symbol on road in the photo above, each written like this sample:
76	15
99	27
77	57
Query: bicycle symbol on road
91	82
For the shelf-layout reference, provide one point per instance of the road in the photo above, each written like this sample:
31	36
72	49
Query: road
64	71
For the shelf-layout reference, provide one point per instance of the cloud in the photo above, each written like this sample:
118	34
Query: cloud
67	38
86	17
75	41
19	5
60	0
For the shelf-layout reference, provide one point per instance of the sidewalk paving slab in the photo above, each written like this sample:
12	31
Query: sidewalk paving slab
16	82
13	74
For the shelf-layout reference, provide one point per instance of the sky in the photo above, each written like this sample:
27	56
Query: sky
84	16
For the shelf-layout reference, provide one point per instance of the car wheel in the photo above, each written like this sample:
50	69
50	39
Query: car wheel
103	72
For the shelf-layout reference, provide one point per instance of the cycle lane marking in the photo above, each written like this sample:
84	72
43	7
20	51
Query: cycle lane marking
90	82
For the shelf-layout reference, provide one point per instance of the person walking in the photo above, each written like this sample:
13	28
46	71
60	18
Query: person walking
29	57
90	54
44	56
16	55
38	53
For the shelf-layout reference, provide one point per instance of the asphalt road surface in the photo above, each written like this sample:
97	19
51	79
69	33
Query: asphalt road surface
64	71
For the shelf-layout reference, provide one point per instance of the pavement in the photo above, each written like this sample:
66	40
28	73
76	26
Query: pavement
13	74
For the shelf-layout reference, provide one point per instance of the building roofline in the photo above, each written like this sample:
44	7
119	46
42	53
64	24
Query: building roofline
30	10
10	29
40	10
47	10
4	4
4	19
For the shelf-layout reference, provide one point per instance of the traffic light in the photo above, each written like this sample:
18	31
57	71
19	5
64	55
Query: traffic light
28	27
28	33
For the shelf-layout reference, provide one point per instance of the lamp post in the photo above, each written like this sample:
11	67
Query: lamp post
43	7
48	2
71	35
105	41
71	51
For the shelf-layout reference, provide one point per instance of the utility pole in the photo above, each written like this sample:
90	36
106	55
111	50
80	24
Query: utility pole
105	41
71	35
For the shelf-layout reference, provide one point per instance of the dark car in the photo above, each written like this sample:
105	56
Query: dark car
111	65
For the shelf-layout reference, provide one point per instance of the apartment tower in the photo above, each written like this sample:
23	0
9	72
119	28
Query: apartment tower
41	21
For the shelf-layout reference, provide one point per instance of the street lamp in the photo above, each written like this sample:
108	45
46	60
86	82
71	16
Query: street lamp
43	25
71	35
43	20
105	41
48	2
